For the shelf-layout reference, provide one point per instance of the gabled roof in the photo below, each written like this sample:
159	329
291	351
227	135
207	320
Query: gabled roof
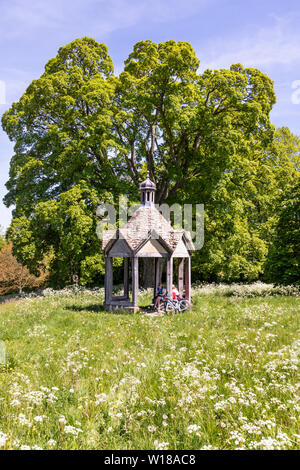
153	235
144	221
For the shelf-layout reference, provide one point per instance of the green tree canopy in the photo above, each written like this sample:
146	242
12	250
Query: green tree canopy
283	263
241	212
65	229
79	122
61	128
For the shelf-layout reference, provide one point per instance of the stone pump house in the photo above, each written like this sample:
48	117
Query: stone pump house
147	235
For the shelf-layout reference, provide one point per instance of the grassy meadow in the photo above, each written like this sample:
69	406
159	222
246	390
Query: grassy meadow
223	376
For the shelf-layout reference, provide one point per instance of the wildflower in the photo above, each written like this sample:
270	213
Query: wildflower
38	419
72	430
51	398
100	398
193	428
152	428
24	421
161	445
3	439
15	402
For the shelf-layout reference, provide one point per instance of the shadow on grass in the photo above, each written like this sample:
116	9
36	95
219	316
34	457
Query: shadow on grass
147	308
94	308
5	299
97	308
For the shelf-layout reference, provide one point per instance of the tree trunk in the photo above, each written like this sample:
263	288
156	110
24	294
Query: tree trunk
148	272
21	281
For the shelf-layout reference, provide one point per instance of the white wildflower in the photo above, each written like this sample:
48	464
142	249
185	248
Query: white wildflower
3	439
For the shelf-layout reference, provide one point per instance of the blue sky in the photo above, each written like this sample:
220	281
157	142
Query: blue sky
258	33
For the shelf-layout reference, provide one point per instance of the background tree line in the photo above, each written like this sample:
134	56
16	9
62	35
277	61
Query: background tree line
83	136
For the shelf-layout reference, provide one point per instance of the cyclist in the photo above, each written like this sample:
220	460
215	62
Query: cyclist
160	292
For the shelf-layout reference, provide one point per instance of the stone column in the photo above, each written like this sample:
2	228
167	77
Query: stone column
108	282
126	277
169	276
155	276
180	275
188	279
135	281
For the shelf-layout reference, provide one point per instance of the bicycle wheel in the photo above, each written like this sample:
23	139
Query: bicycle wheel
169	308
184	305
161	307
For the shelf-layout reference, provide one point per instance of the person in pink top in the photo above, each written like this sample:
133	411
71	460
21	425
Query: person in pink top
175	293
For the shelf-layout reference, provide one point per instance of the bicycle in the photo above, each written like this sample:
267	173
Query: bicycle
175	305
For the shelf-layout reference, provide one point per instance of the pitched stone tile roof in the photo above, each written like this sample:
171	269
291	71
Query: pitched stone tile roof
144	221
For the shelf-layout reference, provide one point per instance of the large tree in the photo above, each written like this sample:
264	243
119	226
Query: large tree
283	262
243	209
187	126
205	138
61	128
64	230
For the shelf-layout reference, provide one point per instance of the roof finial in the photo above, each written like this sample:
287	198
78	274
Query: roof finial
147	189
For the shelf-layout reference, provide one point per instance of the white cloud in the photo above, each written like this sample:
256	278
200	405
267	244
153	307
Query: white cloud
19	16
5	217
16	81
162	10
23	17
2	92
265	47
